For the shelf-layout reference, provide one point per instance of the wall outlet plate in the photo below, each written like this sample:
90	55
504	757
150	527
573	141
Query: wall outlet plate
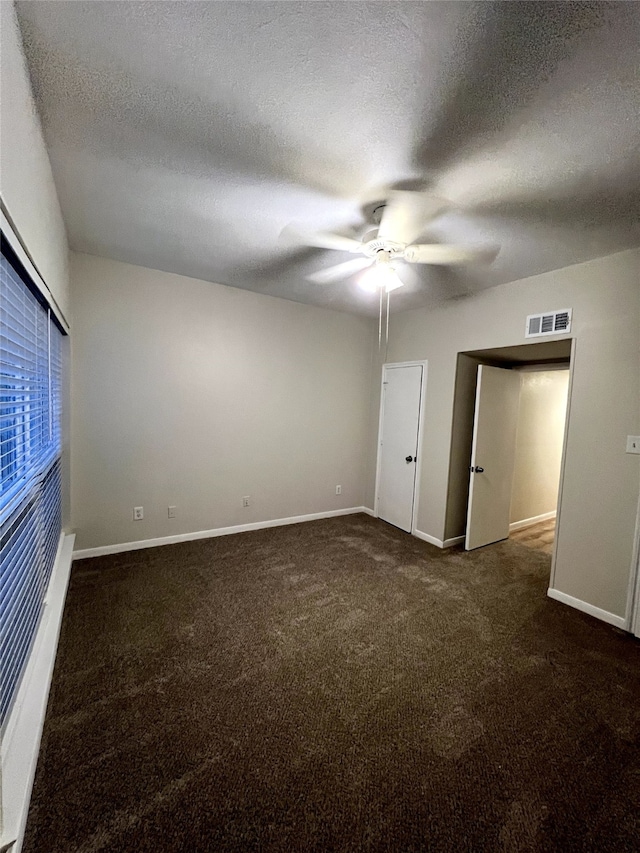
171	512
138	513
246	500
633	444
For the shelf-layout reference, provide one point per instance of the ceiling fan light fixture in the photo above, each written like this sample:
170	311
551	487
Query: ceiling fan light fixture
379	277
393	283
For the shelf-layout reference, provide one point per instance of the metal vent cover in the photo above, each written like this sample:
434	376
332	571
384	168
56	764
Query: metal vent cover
548	323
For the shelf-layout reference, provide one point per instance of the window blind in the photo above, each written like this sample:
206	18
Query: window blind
30	469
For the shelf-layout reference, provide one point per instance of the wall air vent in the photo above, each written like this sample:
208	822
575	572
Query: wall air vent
549	323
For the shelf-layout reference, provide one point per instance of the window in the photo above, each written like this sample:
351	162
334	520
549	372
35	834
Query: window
30	451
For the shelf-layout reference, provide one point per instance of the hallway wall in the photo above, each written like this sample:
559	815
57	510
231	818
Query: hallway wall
541	421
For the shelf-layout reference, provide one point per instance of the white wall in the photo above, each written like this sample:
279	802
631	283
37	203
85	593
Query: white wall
28	192
193	394
600	491
26	182
29	195
30	202
540	436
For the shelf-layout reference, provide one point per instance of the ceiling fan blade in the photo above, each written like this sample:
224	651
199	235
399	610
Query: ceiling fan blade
406	215
444	255
319	239
340	271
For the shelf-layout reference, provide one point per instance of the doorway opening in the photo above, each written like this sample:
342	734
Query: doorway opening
542	415
515	495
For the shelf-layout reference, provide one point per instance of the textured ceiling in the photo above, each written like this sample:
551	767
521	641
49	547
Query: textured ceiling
184	135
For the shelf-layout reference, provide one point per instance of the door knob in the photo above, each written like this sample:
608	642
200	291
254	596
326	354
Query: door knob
408	459
479	470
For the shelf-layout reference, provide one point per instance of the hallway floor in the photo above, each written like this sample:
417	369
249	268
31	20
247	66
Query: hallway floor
539	536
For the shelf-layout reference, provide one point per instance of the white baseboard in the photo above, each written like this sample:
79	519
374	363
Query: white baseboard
426	537
209	534
21	739
527	522
585	607
439	543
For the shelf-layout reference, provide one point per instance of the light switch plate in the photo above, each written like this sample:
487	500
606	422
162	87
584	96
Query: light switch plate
633	444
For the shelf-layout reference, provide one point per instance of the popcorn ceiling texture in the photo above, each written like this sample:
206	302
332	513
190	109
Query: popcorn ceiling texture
184	136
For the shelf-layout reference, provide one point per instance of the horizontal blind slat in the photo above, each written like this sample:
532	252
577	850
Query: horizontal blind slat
30	482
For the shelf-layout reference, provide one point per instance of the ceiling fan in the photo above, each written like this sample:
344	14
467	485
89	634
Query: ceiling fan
398	221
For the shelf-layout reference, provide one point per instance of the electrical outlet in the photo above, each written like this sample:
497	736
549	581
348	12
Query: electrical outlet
338	490
138	513
171	512
633	444
246	500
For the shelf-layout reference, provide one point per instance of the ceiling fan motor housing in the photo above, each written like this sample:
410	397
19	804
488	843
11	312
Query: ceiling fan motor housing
373	248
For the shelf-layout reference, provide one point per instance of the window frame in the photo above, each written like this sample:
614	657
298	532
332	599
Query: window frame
31	506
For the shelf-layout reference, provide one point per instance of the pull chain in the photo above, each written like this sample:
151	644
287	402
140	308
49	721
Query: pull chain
386	322
386	336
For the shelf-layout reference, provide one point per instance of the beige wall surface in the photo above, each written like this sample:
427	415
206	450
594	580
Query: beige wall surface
26	181
600	492
539	440
194	395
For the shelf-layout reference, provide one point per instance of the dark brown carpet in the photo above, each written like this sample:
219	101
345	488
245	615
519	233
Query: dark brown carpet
335	686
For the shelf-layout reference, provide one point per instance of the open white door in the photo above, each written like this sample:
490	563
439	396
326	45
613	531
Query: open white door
399	424
492	456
